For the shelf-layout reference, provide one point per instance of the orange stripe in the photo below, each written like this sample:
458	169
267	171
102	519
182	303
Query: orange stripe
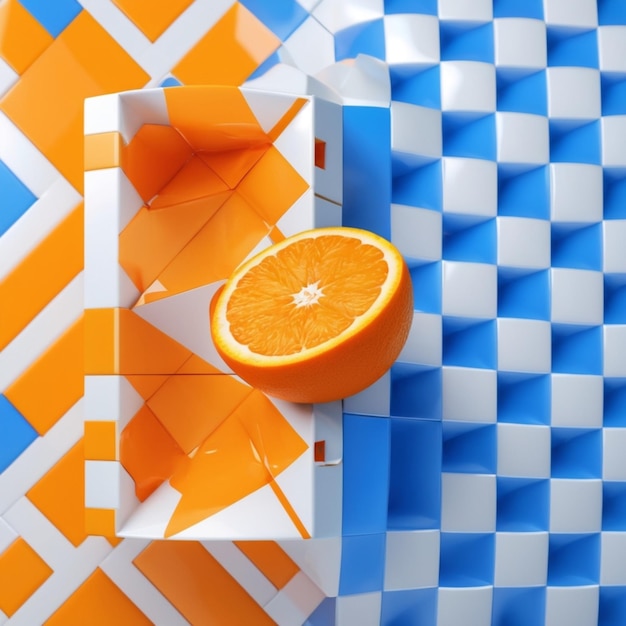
103	150
271	559
293	516
41	275
286	119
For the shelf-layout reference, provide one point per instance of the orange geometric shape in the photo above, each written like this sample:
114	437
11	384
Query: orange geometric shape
222	243
100	441
195	365
145	386
148	453
153	238
22	37
22	572
60	494
239	40
53	383
153	157
152	18
271	559
214	118
232	165
272	186
320	153
118	341
198	586
47	103
101	522
103	150
35	280
319	451
191	407
98	602
246	452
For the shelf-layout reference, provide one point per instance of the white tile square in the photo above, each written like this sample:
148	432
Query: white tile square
102	484
613	143
575	506
522	138
577	296
524	450
412	559
520	42
576	192
469	606
424	344
361	608
416	232
524	345
577	401
582	13
470	289
613	557
411	39
573	92
470	186
468	502
574	606
612	48
613	454
469	394
521	559
468	86
415	130
614	245
523	242
614	350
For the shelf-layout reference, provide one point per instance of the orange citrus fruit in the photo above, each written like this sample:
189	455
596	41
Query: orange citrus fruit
316	317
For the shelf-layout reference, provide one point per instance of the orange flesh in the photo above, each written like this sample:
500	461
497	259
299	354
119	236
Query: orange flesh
305	294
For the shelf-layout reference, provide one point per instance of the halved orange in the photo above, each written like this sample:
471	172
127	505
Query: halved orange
316	317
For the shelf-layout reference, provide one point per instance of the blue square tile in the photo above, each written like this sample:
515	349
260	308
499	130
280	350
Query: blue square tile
53	16
614	191
518	8
612	606
282	17
416	391
362	563
426	7
524	398
523	191
466	41
16	434
469	238
415	475
611	12
366	171
576	349
469	342
420	86
469	448
467	559
523	293
363	38
366	449
471	135
572	47
417	185
324	614
615	299
573	559
614	506
576	453
577	246
522	91
16	198
523	504
426	279
409	607
614	407
613	89
575	141
518	606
